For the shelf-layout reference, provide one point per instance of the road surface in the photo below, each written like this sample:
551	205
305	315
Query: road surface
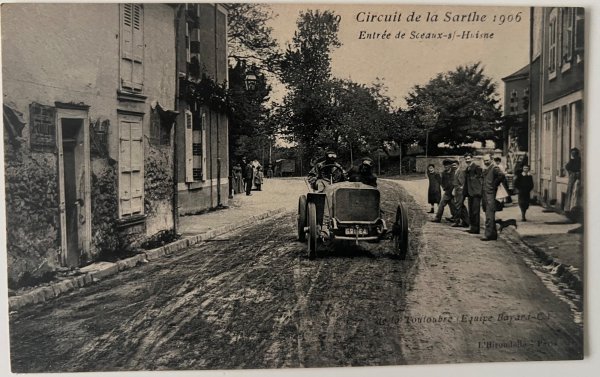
252	299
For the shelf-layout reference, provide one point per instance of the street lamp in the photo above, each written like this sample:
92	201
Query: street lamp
251	79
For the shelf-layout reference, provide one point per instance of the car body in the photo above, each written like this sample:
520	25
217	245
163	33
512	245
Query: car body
348	211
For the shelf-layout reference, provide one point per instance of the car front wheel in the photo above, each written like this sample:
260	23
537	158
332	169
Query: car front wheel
312	230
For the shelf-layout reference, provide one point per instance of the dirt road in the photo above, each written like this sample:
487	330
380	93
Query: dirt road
475	301
252	299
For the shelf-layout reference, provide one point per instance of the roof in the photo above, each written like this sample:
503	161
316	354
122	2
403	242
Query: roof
520	74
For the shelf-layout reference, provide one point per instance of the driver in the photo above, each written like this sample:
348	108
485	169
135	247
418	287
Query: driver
326	172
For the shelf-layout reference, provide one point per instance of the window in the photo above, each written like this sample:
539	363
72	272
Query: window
549	119
525	99
563	142
533	143
567	37
132	47
160	127
195	151
192	41
42	127
514	102
579	30
131	159
552	37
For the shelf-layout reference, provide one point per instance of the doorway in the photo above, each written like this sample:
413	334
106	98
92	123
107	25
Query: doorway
72	144
74	186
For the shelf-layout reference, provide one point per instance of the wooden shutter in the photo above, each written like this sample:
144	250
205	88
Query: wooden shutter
137	76
125	167
189	147
204	145
131	158
137	159
579	29
132	47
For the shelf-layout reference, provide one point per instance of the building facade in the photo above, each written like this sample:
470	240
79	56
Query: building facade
556	117
515	113
202	125
89	92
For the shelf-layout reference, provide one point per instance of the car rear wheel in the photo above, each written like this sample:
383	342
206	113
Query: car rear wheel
302	218
312	230
400	232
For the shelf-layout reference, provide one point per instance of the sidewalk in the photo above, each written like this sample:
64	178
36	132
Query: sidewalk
545	233
278	195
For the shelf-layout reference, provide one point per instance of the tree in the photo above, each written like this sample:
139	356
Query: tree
465	105
252	50
248	118
306	71
249	38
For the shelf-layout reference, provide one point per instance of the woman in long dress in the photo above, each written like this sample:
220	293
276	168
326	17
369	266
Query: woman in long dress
434	193
573	206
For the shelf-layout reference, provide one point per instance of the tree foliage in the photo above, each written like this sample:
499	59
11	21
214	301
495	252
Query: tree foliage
249	38
249	124
306	71
252	50
457	107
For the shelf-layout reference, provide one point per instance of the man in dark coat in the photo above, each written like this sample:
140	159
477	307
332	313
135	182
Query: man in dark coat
524	185
473	192
492	178
447	179
461	217
363	173
326	172
248	173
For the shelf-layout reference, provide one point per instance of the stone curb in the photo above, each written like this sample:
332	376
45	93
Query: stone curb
566	274
45	293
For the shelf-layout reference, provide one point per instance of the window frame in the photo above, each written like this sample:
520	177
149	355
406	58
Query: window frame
132	55
130	118
552	43
567	39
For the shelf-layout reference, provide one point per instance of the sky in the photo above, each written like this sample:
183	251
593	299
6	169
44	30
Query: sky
405	62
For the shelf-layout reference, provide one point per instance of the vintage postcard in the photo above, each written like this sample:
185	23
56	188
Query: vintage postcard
215	186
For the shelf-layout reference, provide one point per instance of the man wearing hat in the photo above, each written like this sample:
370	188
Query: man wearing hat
326	172
473	192
364	173
461	218
492	177
447	186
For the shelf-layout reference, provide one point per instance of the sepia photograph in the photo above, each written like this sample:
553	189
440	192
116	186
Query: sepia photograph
227	186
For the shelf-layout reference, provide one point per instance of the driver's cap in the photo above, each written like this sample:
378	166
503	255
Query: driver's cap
330	154
367	161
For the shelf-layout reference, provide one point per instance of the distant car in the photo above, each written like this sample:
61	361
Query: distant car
285	167
354	215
